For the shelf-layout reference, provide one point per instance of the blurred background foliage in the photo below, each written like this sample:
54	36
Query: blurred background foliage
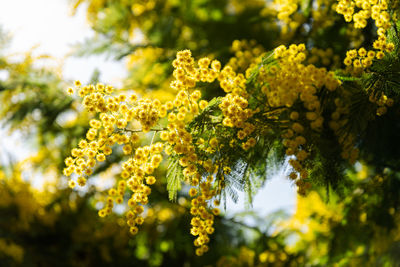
50	225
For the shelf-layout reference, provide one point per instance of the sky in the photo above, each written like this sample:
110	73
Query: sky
48	24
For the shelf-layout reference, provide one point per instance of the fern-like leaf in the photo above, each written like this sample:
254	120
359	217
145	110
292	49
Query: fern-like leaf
174	178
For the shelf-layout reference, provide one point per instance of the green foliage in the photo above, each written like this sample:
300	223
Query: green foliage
174	178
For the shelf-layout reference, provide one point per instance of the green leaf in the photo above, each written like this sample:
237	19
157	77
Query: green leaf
174	178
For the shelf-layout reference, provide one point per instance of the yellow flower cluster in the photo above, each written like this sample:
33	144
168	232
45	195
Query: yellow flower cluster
287	83
294	14
235	111
203	220
118	117
240	6
295	145
115	115
288	87
377	11
325	57
322	13
186	106
246	257
337	123
138	8
233	83
11	249
147	112
138	171
247	54
382	101
361	58
88	151
274	255
234	105
294	80
186	75
180	142
357	60
285	9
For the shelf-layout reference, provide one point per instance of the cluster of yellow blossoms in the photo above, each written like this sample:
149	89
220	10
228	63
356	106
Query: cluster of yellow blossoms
293	14
285	10
202	221
377	10
119	120
338	122
382	101
234	105
138	8
246	54
275	255
138	171
361	58
325	57
284	83
283	89
288	90
283	86
186	75
11	249
358	11
366	9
